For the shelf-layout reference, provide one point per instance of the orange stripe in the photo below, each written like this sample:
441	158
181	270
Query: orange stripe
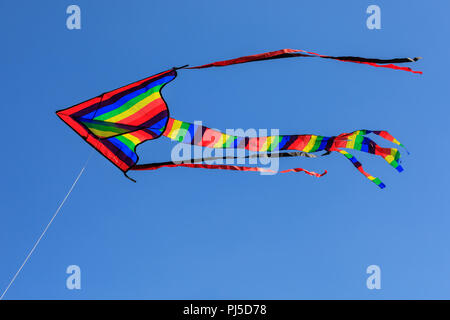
146	113
142	135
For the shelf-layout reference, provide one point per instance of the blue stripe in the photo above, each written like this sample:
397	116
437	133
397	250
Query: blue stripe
124	148
323	143
127	98
159	125
189	137
155	131
237	142
353	160
365	144
283	142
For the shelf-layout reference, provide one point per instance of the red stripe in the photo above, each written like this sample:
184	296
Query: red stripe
93	141
253	144
340	144
141	135
300	143
383	152
97	144
80	106
106	96
146	113
279	53
73	124
210	138
207	166
311	173
360	169
168	127
255	57
386	135
389	66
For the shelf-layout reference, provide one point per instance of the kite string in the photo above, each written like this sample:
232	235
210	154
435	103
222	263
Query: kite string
46	228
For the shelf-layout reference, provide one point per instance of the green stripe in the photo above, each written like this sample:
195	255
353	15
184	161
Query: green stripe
394	163
317	143
224	144
377	181
184	129
127	142
274	143
230	141
128	104
101	127
358	142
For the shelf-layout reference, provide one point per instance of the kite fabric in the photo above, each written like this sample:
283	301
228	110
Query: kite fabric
116	122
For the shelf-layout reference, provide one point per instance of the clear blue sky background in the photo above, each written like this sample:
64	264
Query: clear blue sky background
200	234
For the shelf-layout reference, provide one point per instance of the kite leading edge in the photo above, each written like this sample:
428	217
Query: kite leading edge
116	122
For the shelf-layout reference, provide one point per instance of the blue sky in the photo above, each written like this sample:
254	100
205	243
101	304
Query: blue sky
200	234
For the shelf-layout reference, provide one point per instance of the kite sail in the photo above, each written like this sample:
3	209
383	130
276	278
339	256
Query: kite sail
116	122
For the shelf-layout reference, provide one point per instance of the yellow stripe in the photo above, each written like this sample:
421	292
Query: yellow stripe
394	151
274	142
266	144
310	144
229	140
389	158
103	133
220	142
174	130
351	142
132	138
135	108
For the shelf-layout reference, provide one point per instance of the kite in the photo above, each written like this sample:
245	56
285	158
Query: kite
117	121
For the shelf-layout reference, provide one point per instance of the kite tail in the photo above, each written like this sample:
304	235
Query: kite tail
290	53
197	134
154	166
357	141
358	166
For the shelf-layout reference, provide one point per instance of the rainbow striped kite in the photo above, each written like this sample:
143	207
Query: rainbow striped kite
116	122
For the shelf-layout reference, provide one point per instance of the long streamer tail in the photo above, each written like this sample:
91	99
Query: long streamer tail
277	145
291	53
